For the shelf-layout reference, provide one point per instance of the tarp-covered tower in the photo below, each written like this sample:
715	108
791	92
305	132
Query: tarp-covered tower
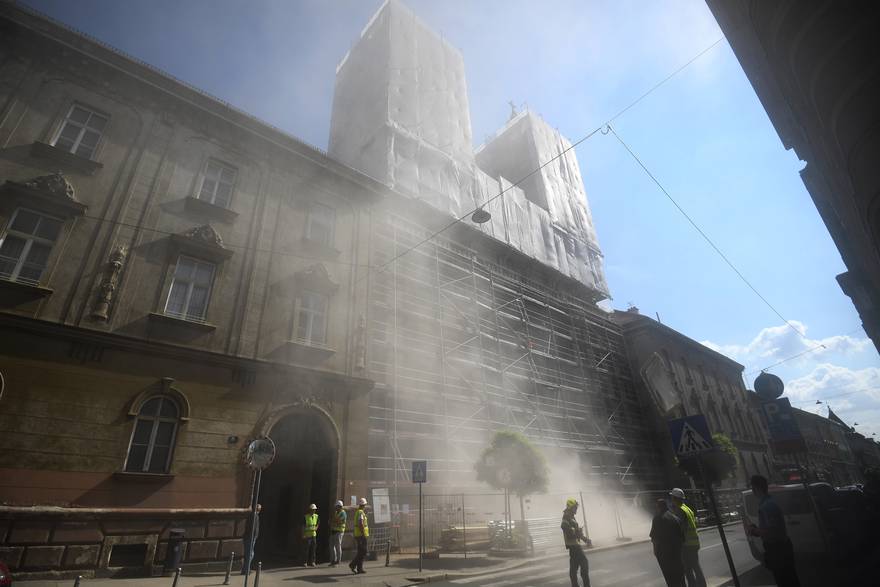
460	343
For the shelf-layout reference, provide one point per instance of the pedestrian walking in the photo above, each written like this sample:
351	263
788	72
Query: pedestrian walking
667	536
690	552
778	550
361	533
337	532
572	533
310	534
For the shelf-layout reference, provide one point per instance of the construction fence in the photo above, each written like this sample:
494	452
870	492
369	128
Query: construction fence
473	523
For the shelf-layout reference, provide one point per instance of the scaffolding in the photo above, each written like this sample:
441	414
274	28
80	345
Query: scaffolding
460	346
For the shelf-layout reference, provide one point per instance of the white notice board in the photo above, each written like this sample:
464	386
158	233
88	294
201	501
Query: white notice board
381	506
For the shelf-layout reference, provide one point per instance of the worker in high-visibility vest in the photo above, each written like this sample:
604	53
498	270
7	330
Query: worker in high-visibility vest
337	531
690	553
361	533
310	534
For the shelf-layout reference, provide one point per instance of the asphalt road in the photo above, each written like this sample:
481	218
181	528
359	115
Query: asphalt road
633	566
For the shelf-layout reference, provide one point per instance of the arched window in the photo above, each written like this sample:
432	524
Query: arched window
152	440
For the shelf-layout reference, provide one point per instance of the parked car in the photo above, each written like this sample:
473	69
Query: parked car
5	576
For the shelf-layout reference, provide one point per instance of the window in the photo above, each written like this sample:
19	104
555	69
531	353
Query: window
311	318
190	289
25	247
152	439
321	224
217	183
81	131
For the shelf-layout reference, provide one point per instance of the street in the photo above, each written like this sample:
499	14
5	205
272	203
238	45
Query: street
621	567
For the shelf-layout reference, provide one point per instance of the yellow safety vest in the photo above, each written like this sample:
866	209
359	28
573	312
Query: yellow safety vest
310	530
691	538
361	527
339	519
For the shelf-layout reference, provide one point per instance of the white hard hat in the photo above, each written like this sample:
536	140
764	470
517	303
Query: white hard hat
362	501
339	504
313	507
677	493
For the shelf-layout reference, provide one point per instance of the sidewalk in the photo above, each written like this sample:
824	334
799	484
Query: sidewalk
403	572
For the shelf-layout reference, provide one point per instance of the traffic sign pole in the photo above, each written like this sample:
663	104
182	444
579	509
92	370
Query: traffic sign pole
420	527
250	548
708	485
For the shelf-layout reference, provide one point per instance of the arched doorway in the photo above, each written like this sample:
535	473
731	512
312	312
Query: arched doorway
304	472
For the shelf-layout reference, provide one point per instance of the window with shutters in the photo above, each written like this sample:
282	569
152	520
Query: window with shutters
26	245
310	321
218	181
190	289
81	131
152	440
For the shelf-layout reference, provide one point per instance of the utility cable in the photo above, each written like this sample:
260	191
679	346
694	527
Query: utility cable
574	145
609	129
800	354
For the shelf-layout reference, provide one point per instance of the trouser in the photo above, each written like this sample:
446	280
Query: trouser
578	560
336	547
311	549
358	562
779	558
672	568
690	557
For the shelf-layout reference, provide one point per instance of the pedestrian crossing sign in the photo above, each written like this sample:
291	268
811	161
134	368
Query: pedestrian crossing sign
690	436
419	471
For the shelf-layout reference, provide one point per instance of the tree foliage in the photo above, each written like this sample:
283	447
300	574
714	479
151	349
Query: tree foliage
718	464
513	463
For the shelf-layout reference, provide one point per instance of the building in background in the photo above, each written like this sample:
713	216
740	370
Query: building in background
814	66
702	381
829	456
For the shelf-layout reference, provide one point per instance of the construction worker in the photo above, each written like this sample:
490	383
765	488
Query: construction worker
361	533
572	534
310	534
778	550
690	553
337	531
667	537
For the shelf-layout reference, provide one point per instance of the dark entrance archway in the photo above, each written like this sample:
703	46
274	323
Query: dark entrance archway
304	472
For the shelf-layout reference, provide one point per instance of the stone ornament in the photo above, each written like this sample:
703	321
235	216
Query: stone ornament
109	282
54	184
205	234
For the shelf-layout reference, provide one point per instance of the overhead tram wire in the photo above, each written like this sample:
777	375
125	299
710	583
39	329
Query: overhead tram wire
383	266
609	129
800	354
573	146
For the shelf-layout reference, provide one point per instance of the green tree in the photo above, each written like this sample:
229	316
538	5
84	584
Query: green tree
718	464
512	463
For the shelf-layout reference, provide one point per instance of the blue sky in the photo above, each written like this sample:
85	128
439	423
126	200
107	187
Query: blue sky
703	134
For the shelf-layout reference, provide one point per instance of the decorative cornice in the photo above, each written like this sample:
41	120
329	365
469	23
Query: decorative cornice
202	241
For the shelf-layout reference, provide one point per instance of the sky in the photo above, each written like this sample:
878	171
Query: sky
703	135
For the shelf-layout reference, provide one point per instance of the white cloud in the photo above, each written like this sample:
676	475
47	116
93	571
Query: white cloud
777	343
853	394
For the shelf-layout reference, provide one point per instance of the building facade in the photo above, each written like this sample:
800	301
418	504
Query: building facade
701	381
814	67
176	279
829	456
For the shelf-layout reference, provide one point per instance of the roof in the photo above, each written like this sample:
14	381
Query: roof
633	321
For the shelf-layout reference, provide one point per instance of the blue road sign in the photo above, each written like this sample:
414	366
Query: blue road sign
690	436
419	471
785	436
